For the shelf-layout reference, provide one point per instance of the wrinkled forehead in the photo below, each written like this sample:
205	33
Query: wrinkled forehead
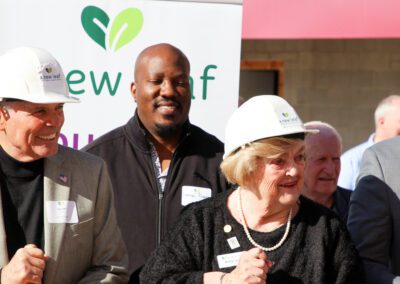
324	145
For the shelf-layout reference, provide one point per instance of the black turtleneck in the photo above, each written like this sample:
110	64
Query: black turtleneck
22	199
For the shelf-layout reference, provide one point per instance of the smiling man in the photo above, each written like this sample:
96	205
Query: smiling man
159	162
322	169
57	222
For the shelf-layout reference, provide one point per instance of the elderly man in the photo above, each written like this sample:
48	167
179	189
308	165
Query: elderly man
322	169
57	222
374	216
387	125
159	162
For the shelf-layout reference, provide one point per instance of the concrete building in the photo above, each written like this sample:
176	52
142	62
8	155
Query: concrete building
323	76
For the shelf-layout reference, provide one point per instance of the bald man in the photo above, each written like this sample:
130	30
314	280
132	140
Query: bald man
159	162
323	167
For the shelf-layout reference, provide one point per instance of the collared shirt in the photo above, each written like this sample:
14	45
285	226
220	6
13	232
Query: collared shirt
160	174
350	164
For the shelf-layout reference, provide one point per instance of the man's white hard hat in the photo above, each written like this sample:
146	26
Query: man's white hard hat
33	75
261	117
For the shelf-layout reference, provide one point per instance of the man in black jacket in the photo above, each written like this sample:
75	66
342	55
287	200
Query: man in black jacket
159	162
322	169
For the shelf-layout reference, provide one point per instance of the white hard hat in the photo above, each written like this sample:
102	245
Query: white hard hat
261	117
33	75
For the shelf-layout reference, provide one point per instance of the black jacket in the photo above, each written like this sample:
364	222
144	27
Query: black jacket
341	202
144	214
318	248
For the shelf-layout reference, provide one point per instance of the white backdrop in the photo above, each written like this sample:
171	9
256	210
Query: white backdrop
98	54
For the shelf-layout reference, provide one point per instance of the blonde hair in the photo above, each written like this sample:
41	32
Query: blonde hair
239	166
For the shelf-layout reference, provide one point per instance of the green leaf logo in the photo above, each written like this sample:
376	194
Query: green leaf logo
285	114
95	21
125	27
49	69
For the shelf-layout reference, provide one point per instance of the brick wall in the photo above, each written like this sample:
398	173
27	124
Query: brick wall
337	81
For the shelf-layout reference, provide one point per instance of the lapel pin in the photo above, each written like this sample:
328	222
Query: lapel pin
63	178
227	228
233	243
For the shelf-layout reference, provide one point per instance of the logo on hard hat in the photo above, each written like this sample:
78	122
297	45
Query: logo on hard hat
288	119
49	72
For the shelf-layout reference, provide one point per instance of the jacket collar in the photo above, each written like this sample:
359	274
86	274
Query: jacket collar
137	134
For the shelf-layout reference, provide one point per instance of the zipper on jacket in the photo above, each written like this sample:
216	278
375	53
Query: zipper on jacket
159	225
161	193
159	205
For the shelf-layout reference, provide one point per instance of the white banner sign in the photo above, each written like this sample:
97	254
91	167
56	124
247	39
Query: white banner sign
97	42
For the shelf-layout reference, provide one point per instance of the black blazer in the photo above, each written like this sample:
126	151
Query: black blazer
341	202
374	215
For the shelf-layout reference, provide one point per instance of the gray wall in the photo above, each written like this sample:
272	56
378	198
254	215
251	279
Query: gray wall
337	81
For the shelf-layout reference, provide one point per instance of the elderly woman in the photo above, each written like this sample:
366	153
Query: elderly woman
263	231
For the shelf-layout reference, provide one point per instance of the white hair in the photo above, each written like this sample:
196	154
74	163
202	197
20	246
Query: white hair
384	106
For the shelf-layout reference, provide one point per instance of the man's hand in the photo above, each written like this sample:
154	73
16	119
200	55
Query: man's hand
26	266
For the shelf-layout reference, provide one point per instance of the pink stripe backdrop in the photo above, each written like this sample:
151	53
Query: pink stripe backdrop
302	19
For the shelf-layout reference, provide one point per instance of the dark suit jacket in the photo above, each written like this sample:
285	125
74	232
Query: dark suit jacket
374	215
341	202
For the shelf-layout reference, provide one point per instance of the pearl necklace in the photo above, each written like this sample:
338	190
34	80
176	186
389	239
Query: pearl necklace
248	233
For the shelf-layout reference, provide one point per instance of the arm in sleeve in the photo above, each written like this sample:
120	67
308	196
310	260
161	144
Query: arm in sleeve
370	222
347	263
110	259
179	258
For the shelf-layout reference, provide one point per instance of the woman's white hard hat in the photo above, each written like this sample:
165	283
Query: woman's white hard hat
261	117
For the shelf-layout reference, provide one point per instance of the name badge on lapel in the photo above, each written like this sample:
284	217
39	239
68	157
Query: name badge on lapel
61	212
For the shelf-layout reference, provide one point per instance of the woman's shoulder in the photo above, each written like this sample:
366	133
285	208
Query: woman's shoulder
207	207
316	213
198	218
308	204
209	204
319	222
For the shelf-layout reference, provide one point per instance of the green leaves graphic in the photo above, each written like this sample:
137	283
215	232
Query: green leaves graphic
125	27
95	21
